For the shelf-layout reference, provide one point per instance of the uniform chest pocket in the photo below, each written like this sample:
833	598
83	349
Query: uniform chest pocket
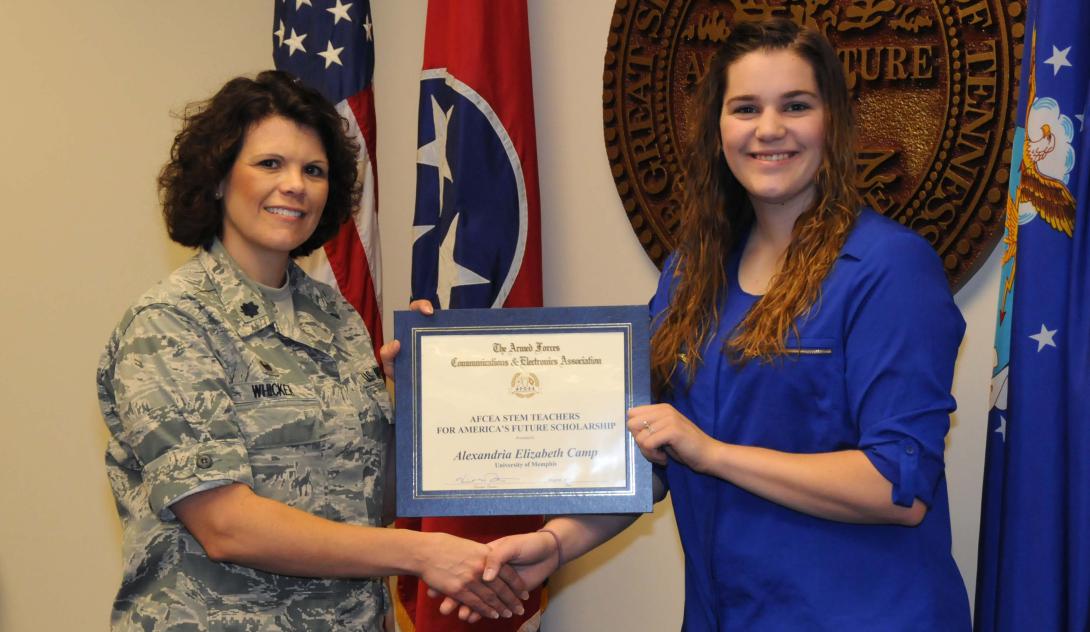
277	415
285	438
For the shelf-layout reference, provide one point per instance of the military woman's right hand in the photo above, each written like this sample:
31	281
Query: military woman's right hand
453	566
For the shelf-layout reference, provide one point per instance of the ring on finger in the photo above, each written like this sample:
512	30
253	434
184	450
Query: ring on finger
646	426
650	429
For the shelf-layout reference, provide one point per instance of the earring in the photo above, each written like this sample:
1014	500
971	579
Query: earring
219	195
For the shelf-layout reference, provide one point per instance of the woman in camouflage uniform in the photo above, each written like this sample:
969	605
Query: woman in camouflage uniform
249	422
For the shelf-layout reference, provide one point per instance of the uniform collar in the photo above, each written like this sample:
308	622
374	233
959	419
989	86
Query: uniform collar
248	311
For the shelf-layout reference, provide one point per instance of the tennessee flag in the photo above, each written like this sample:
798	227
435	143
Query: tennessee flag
476	230
329	45
1034	569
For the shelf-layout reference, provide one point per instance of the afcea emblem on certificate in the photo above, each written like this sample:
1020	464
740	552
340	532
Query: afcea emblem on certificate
521	411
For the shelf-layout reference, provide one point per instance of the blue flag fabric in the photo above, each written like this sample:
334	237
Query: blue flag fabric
329	45
1034	562
477	227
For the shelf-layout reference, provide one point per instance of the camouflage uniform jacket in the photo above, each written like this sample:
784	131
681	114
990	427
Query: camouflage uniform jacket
203	384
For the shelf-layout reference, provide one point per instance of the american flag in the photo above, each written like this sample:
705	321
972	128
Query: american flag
329	45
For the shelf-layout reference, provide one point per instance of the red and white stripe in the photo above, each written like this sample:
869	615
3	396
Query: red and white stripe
352	260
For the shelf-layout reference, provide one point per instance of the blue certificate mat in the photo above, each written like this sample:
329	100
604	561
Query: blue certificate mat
521	411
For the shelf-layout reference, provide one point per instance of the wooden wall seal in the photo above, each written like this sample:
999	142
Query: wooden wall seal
934	86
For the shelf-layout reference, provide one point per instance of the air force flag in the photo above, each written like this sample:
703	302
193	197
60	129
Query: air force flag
1034	563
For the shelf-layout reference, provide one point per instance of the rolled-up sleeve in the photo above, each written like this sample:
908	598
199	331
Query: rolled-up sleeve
902	341
175	411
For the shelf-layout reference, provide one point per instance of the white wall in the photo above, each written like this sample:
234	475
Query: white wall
85	125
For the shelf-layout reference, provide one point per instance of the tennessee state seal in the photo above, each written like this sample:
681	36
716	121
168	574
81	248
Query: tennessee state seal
934	86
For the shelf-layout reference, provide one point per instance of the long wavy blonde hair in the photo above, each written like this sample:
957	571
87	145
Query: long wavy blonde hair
717	212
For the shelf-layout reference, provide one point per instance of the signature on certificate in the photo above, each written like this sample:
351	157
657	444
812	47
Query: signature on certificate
485	480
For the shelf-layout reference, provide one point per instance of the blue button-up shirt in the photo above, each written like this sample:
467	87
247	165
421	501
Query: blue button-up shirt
870	370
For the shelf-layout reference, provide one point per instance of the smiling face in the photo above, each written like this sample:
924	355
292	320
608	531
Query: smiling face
772	127
273	196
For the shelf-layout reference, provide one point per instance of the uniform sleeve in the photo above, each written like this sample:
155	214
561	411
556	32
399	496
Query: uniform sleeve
902	340
175	410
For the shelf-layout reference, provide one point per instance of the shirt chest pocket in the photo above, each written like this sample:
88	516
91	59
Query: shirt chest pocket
810	374
284	433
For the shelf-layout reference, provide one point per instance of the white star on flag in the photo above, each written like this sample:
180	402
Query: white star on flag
1002	427
300	3
295	43
421	230
340	12
331	55
451	274
1082	121
1044	338
279	33
367	27
435	153
1058	59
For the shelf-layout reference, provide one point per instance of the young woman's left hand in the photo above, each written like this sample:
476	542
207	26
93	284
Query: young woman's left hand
662	432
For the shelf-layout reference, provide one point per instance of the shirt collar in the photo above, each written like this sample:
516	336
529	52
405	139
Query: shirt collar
856	246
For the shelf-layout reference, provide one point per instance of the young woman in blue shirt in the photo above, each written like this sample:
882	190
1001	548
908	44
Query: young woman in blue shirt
802	355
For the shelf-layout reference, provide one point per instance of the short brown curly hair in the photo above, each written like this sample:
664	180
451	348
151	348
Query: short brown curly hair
210	140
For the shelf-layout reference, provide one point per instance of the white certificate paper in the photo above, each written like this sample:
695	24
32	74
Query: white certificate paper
546	412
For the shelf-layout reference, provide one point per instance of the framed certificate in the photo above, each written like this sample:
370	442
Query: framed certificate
521	411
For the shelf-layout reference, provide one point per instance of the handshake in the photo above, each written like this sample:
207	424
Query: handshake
481	580
488	580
